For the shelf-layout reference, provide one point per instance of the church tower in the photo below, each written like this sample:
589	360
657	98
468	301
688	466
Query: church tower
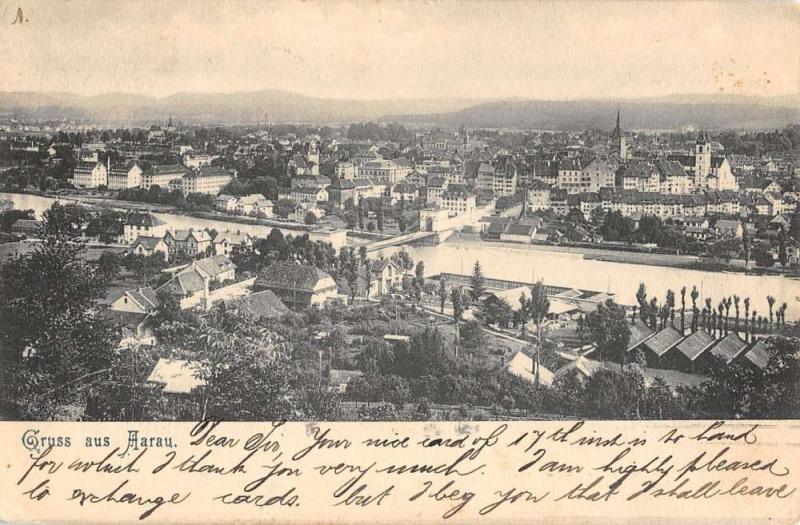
702	160
618	139
313	157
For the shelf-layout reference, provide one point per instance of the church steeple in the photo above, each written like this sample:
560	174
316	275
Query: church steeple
617	130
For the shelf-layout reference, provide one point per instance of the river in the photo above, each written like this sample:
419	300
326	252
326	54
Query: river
175	221
520	263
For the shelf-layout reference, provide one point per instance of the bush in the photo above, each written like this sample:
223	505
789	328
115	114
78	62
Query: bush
471	334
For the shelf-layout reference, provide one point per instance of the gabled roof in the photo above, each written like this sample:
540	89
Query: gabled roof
260	304
522	365
185	283
183	235
290	276
231	238
521	229
758	354
670	168
26	224
167	169
143	219
663	340
145	296
586	367
695	344
729	347
149	243
214	265
640	333
177	375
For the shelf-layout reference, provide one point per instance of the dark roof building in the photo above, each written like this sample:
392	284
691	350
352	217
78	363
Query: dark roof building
729	348
296	284
263	304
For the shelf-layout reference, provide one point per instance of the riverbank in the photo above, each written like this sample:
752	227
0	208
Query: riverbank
125	205
685	262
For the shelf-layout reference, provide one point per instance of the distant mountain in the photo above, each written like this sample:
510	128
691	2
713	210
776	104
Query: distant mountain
672	112
241	107
669	112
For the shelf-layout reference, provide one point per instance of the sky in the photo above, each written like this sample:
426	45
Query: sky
390	49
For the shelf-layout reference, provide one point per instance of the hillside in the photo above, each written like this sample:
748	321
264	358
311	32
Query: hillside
672	112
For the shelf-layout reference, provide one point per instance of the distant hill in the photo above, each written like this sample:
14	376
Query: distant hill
671	112
242	107
674	112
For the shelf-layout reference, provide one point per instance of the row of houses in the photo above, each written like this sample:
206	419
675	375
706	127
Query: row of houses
136	174
189	243
695	352
662	205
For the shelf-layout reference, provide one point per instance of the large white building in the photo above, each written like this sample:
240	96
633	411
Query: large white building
208	179
162	175
457	200
90	175
143	225
124	176
386	171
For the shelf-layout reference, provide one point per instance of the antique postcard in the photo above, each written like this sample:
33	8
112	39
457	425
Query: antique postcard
399	262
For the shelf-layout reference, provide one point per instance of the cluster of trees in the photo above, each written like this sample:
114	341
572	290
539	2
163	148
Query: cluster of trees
53	345
378	132
425	371
756	143
715	319
615	227
266	186
277	247
157	195
361	215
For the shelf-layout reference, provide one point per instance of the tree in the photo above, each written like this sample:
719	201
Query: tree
615	227
442	292
609	330
763	258
683	309
471	334
53	345
403	259
351	218
380	219
497	312
419	280
641	298
746	317
783	258
457	300
771	304
477	285
539	307
794	225
109	264
310	218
